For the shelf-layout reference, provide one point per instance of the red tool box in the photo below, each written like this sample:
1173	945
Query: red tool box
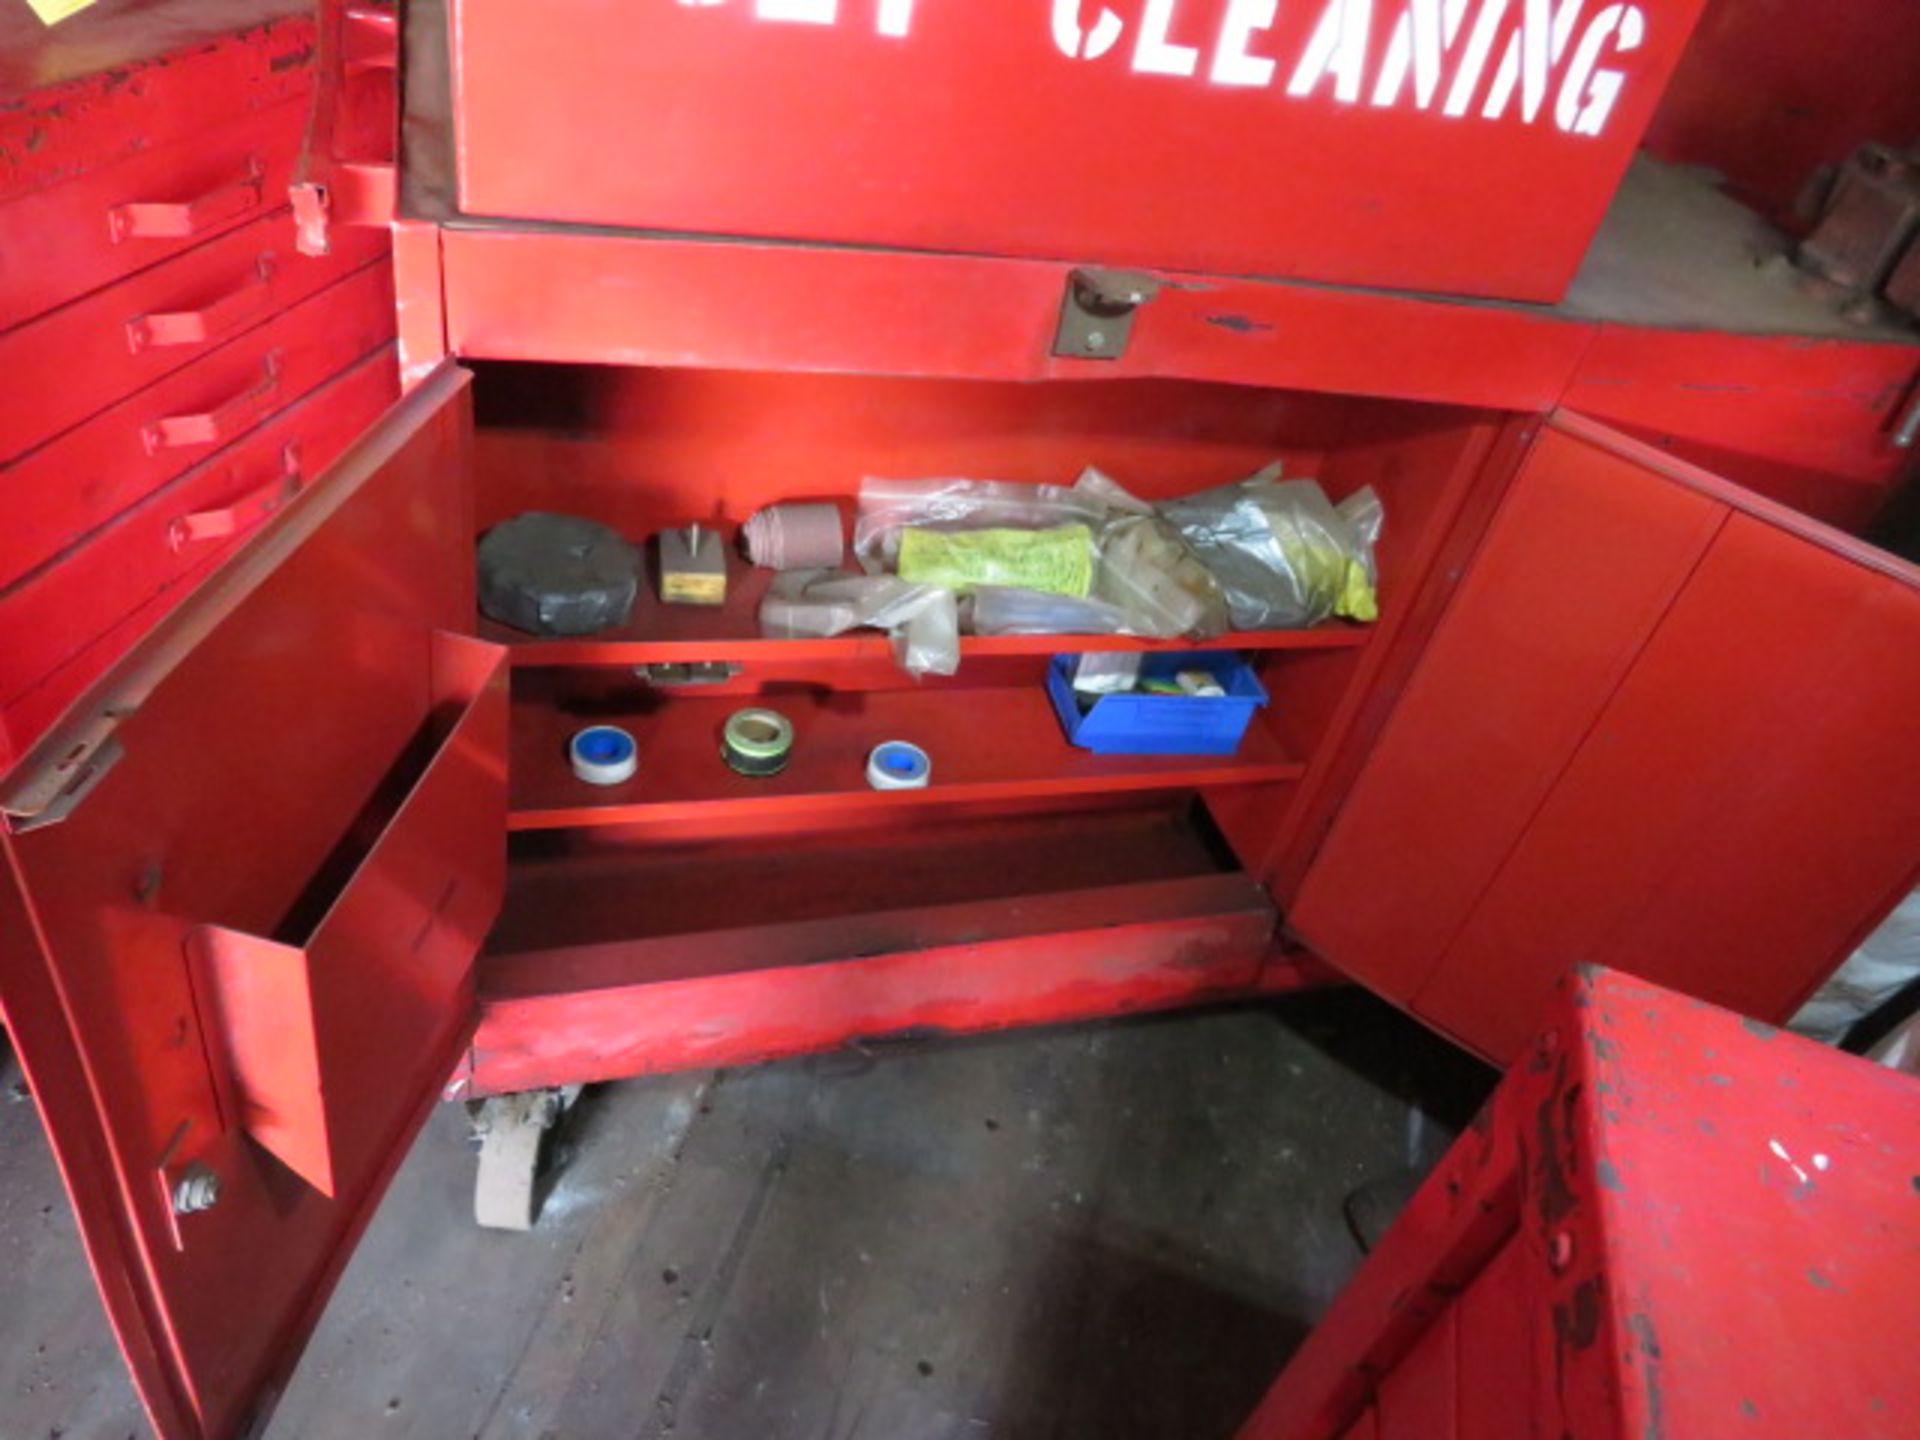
310	850
1669	1220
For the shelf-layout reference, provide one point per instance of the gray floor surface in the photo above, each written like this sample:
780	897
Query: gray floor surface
1117	1230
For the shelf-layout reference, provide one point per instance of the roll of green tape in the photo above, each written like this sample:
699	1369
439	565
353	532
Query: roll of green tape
756	741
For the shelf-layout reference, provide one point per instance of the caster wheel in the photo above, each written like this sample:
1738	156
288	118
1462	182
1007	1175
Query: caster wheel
514	1134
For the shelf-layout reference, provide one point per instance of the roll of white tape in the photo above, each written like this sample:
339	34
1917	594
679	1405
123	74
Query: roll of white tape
896	765
604	755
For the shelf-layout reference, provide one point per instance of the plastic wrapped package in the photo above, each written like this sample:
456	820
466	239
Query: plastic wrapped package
1106	672
889	507
922	620
1005	610
1149	573
1056	560
1284	555
1147	570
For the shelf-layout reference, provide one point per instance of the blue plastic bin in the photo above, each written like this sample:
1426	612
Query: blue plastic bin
1162	724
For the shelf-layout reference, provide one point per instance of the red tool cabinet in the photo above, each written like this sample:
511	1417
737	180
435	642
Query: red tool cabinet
309	853
1669	1220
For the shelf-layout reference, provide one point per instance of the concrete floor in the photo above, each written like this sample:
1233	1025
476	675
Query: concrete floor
1118	1230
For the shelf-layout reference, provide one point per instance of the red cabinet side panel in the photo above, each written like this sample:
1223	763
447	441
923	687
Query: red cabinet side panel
1585	555
1749	795
1494	1393
1417	1397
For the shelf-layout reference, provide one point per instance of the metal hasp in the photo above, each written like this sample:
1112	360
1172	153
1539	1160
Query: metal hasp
1096	314
1669	1220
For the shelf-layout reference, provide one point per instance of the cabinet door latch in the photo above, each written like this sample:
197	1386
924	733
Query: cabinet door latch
1097	313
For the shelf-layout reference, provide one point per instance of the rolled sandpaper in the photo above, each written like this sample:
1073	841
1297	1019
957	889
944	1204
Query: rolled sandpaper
796	536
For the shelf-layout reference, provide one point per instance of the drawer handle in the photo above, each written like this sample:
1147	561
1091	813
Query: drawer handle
246	512
195	327
150	220
223	422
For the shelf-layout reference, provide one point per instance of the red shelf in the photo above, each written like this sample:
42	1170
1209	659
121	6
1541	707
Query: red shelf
987	744
662	633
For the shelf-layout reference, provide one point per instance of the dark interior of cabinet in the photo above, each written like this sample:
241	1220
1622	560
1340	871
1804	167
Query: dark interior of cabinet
687	843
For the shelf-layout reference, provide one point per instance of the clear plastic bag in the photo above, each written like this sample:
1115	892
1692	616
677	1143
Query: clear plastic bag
1147	571
888	507
1284	555
1885	964
923	621
1004	610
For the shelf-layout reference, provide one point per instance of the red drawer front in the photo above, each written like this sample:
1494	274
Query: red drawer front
55	495
73	237
1469	148
70	365
58	628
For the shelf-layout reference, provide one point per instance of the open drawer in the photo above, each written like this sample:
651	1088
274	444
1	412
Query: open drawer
246	878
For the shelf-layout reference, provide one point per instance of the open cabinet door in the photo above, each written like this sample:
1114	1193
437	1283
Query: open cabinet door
1663	726
245	881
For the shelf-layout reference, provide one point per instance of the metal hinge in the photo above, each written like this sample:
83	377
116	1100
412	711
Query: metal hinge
49	794
1096	315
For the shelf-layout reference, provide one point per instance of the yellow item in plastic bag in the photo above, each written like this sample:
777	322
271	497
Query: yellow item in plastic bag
1357	600
52	12
1058	561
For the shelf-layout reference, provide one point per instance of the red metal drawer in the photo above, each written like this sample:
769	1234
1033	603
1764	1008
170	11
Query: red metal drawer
53	620
70	238
1470	148
67	366
56	494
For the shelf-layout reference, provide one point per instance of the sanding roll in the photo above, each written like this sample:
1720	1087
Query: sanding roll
796	537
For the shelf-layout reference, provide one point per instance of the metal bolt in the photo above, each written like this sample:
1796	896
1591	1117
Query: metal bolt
1096	339
197	1189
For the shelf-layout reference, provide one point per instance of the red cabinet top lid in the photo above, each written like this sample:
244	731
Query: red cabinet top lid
1464	146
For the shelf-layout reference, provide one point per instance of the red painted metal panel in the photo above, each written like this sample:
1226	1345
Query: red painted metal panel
130	334
1745	808
275	759
1126	134
68	239
289	1023
532	294
728	998
136	103
1803	421
1705	1228
1456	1223
1752	1196
50	620
148	64
1498	1329
1583	557
60	491
1754	101
1418	1398
422	308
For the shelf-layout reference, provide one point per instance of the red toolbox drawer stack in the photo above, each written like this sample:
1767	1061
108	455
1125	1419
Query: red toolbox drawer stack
175	369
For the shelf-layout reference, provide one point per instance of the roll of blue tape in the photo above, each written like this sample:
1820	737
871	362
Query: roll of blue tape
897	765
603	755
